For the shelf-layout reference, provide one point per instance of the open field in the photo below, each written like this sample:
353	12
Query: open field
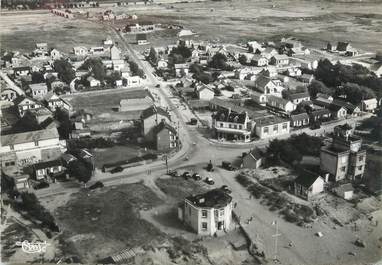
315	23
22	31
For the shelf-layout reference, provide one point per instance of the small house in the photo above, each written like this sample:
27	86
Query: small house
259	60
204	92
369	105
308	184
141	39
279	60
80	51
253	159
280	104
162	64
299	120
39	90
93	82
297	98
45	169
181	69
345	191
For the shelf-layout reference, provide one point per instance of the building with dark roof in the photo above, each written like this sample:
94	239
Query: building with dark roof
166	137
297	98
299	120
308	184
253	159
151	118
271	126
207	213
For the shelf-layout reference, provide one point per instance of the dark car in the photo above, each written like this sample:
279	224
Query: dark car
227	165
116	170
173	173
209	181
186	175
225	189
196	176
96	185
210	167
193	121
157	85
41	185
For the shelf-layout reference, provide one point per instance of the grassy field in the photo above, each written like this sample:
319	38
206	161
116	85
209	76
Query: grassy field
22	31
110	216
179	188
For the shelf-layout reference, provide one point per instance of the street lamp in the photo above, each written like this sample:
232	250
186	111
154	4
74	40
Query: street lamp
276	235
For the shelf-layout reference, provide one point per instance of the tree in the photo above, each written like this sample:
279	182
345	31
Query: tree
355	93
203	77
80	171
243	59
96	67
318	87
65	127
37	77
153	56
135	70
182	50
113	77
219	61
27	123
64	70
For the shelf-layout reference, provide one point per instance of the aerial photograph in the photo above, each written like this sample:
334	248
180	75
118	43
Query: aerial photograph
191	132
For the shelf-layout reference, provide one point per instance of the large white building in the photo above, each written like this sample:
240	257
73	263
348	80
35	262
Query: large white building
207	213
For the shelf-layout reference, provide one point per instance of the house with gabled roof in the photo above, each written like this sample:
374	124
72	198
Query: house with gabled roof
205	92
279	60
308	184
53	101
24	104
279	103
297	98
38	91
299	120
152	117
253	159
166	137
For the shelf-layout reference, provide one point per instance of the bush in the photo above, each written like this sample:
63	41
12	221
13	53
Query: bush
243	180
89	143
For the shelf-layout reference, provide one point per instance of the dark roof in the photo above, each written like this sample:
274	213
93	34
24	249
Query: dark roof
164	125
47	164
347	105
230	116
154	110
345	126
334	107
269	120
141	36
342	46
21	68
299	95
306	179
27	137
298	117
320	112
215	198
256	153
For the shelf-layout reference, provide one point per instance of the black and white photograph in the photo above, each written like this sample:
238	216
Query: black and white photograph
191	132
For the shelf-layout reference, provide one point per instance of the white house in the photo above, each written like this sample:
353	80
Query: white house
369	105
271	126
55	54
297	98
39	90
205	92
162	64
93	82
308	184
181	69
280	104
53	102
80	51
132	81
24	104
208	213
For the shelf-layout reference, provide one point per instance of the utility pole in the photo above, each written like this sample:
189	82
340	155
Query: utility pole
276	235
178	142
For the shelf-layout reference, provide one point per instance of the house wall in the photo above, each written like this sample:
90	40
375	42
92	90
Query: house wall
317	187
335	164
262	134
206	94
165	140
193	217
150	123
250	162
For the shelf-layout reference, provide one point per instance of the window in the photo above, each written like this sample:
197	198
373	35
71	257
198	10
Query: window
266	129
343	169
221	212
240	127
35	143
230	126
204	213
221	124
275	128
204	226
360	158
12	147
235	126
285	126
360	167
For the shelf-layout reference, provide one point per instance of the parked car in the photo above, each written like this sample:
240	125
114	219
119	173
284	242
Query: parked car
227	165
196	176
116	170
41	185
209	181
173	173
225	189
96	185
186	175
193	121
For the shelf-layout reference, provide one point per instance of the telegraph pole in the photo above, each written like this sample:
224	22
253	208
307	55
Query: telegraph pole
276	235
